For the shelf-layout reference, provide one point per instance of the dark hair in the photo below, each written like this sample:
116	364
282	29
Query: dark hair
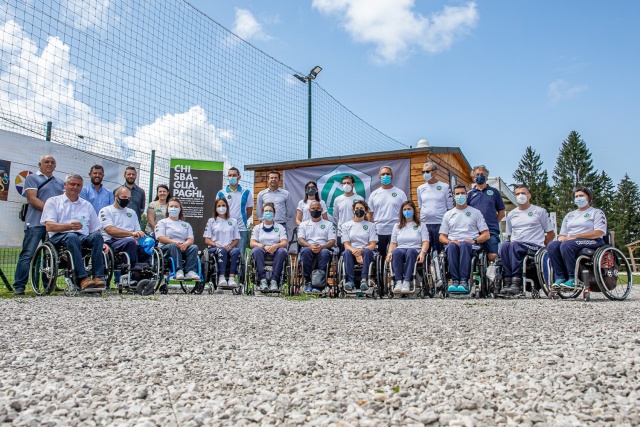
360	202
306	196
233	168
166	187
215	209
181	214
271	205
95	167
464	187
586	191
276	172
130	168
403	220
519	186
350	177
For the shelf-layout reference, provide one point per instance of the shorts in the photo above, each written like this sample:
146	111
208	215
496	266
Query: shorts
491	245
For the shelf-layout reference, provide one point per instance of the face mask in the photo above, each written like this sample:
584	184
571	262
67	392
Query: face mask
315	214
359	213
481	179
233	180
408	213
268	215
123	202
581	201
521	199
385	179
221	210
426	176
174	212
461	199
347	188
311	191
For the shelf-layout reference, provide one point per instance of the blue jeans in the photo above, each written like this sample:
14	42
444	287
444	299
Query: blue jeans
131	247
307	257
434	237
32	238
74	243
191	257
403	261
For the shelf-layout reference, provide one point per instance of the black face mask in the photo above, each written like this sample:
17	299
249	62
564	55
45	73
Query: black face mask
481	179
123	202
311	191
315	213
359	213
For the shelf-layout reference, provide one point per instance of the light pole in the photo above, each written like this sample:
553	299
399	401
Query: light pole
308	79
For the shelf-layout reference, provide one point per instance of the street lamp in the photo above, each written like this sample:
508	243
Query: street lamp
308	79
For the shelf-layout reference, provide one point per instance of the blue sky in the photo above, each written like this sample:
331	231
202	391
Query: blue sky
489	77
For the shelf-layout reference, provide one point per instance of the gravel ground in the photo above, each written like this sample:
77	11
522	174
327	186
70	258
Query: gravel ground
181	360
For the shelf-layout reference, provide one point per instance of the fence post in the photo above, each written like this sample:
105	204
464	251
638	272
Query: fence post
48	135
151	172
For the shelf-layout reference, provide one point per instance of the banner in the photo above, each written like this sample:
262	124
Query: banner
195	183
5	173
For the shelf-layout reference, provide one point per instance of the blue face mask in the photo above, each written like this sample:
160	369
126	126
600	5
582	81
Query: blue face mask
233	180
426	176
385	179
481	179
268	215
461	199
408	213
580	201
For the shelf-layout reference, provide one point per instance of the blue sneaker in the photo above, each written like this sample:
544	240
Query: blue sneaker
348	286
558	283
454	286
308	289
571	283
364	286
317	291
464	286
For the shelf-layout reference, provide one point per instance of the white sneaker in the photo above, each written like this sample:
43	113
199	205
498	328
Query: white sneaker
192	275
406	287
179	275
397	288
232	282
222	281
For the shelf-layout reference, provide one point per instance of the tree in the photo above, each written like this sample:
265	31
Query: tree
574	168
530	173
604	194
625	218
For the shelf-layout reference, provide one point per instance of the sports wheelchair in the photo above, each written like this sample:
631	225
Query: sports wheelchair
142	278
209	267
604	269
251	275
418	285
479	285
535	274
48	263
373	278
330	288
169	270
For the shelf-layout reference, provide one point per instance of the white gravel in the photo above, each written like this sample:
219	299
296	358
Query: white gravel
194	360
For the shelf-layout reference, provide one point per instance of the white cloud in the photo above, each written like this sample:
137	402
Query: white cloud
560	90
247	26
87	14
395	29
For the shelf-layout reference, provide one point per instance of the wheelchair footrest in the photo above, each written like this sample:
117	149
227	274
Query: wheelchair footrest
92	290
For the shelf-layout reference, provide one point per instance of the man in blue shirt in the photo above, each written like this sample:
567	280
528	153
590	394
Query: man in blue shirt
95	193
488	201
138	198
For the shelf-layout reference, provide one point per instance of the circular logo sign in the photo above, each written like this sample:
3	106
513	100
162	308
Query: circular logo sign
468	213
184	225
365	227
230	223
530	214
322	227
587	215
129	214
490	192
415	227
19	182
394	194
229	197
276	229
439	187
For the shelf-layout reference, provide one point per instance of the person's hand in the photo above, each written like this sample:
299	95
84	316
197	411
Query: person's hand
562	238
420	258
76	225
357	252
228	247
138	234
455	241
389	257
316	248
105	248
272	249
469	241
183	246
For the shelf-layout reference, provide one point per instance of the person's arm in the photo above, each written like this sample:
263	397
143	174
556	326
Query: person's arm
331	243
298	217
291	210
444	239
483	237
302	240
116	232
32	199
500	215
283	243
151	217
209	242
548	237
591	235
392	247
58	227
259	207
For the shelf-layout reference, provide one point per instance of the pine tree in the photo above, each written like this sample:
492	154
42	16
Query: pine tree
625	218
574	168
604	194
530	173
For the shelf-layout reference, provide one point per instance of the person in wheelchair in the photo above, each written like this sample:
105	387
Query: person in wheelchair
463	230
121	229
582	228
316	238
529	228
72	221
409	244
175	238
359	238
269	238
222	236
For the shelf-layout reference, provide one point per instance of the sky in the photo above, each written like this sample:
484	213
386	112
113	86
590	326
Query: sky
491	77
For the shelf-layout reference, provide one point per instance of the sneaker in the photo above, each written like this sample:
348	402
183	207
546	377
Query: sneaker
263	285
317	291
406	287
308	289
570	284
222	282
464	286
349	286
397	289
18	291
364	286
274	286
192	275
453	287
218	291
179	275
98	282
558	283
232	282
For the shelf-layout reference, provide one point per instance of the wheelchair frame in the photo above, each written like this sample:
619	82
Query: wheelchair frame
477	288
151	281
414	290
373	274
251	279
209	273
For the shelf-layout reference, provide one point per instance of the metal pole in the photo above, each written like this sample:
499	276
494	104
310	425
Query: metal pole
309	121
153	165
49	126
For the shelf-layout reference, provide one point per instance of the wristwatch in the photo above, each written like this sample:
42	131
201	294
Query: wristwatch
475	240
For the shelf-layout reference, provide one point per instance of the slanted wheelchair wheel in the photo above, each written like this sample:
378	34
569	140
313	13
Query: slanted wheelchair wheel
109	265
145	287
543	269
613	273
43	271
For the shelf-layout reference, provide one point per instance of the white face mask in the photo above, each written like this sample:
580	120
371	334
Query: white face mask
522	199
174	212
347	188
221	210
581	201
426	176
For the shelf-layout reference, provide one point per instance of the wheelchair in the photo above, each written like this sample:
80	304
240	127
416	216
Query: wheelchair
209	262
373	279
142	279
535	273
604	269
479	285
331	283
251	275
418	285
167	265
49	263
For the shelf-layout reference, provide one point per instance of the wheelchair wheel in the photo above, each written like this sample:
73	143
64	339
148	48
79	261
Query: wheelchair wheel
109	265
145	287
157	264
249	275
43	271
387	279
543	270
613	273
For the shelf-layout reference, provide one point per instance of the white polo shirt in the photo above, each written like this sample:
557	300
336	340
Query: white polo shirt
385	205
222	231
434	200
459	224
177	230
317	232
124	219
410	236
272	237
343	209
578	222
304	208
234	199
359	234
528	225
62	210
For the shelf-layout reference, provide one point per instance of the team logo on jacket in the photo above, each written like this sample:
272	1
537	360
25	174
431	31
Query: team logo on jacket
490	192
229	197
394	194
230	223
276	229
468	213
530	214
184	225
439	187
415	227
129	214
322	227
365	227
587	215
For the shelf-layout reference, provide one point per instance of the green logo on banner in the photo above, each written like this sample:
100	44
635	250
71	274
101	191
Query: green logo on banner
330	184
490	192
